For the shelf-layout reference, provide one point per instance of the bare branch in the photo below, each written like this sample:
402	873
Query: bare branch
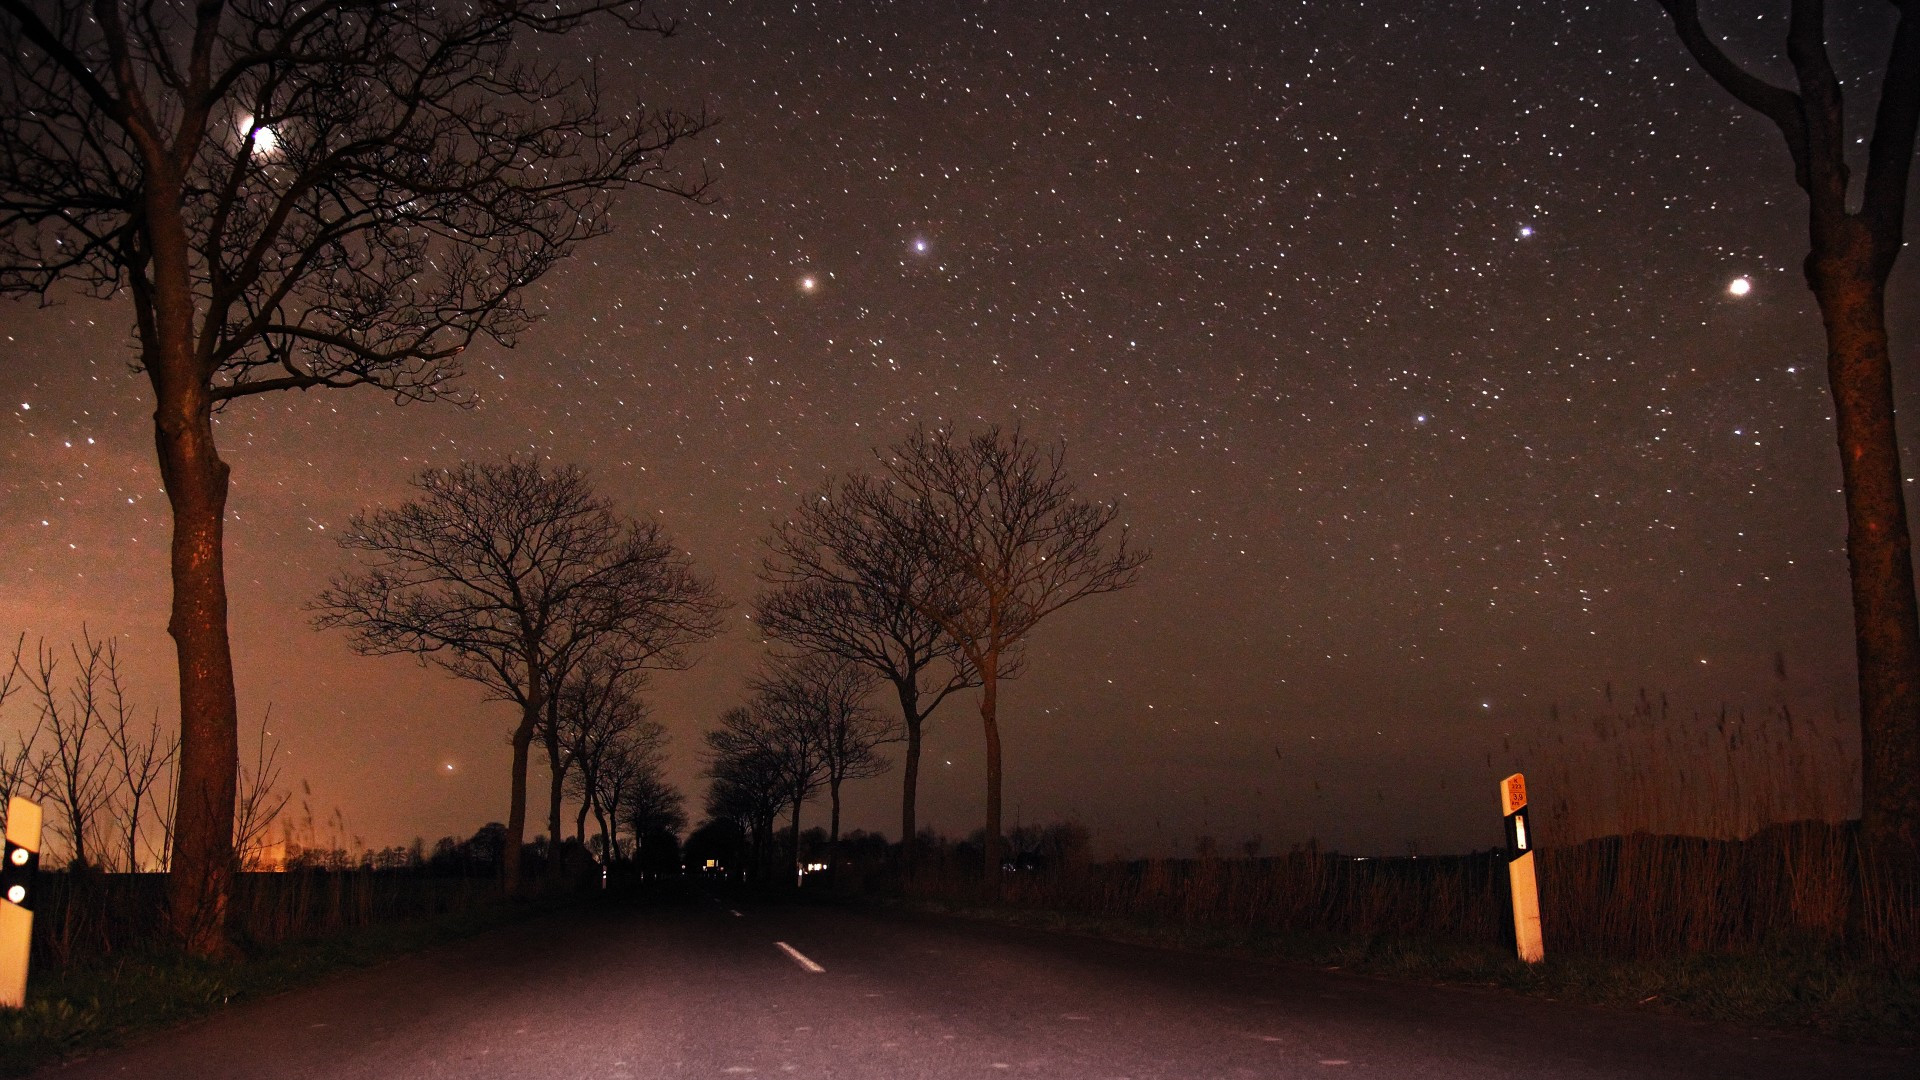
1780	105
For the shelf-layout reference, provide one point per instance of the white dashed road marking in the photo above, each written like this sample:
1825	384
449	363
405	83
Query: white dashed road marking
800	958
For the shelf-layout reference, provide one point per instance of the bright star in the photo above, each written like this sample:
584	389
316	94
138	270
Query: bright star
1526	231
1740	286
808	284
920	245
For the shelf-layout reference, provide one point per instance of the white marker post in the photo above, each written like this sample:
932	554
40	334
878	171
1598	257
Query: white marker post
17	870
1526	890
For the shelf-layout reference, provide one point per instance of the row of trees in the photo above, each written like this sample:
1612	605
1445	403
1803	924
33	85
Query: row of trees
806	727
927	575
522	579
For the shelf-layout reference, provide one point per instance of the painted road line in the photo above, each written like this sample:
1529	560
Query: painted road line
801	959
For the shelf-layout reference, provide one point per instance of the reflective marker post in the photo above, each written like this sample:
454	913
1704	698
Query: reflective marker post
1520	876
17	870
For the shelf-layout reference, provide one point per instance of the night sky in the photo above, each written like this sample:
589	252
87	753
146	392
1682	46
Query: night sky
1404	336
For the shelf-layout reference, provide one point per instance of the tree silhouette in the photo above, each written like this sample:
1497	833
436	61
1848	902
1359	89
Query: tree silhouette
819	700
841	583
510	575
655	812
751	778
1850	257
615	747
326	194
1013	543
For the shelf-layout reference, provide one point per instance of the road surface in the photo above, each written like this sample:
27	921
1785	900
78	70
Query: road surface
703	989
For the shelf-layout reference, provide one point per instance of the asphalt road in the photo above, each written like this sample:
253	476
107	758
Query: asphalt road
696	990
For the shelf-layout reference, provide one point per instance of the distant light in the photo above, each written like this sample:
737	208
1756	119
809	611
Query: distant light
1420	419
1740	286
808	284
920	245
1526	231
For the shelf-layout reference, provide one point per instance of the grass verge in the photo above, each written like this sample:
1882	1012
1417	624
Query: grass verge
99	1006
1805	988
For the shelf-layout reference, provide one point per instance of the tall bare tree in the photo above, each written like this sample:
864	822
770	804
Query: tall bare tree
820	700
296	195
1850	257
1014	542
840	583
506	574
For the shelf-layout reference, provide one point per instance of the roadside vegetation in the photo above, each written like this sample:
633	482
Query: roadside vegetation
1704	863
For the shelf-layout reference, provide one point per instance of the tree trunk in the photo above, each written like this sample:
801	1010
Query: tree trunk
200	879
580	824
833	833
910	787
600	816
1851	292
793	835
990	722
555	795
517	813
133	835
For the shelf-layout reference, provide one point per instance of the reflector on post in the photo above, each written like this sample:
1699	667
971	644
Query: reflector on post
17	871
1520	875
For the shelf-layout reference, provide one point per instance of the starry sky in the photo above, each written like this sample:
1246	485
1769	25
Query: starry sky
1403	333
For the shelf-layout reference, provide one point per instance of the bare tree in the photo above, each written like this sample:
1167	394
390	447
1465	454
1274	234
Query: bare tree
142	759
17	765
750	781
655	811
326	194
1851	256
819	700
604	725
1013	542
74	772
508	574
633	767
260	798
775	747
841	583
